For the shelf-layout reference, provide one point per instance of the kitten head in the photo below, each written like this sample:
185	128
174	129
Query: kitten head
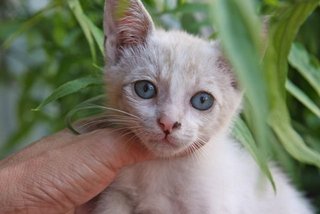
178	89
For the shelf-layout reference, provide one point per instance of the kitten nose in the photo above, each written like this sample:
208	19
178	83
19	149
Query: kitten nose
167	125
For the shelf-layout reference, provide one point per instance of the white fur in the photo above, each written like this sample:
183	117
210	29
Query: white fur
200	169
220	178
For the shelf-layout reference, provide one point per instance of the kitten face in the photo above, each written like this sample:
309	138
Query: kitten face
179	87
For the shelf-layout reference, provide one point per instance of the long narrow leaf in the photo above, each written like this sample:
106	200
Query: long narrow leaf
242	133
306	65
239	29
97	34
69	88
82	20
302	97
282	34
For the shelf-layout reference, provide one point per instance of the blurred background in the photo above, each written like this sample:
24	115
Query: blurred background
43	46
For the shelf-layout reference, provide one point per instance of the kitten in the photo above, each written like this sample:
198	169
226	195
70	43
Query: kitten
180	97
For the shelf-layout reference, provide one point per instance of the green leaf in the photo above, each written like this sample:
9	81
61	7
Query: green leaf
181	2
293	142
272	2
90	106
83	22
69	88
282	33
189	8
239	31
242	133
97	34
302	97
306	65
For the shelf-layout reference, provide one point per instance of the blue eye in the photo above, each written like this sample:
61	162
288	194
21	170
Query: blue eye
202	101
145	89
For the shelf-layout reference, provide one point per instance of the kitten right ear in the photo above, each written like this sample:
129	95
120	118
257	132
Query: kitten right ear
126	23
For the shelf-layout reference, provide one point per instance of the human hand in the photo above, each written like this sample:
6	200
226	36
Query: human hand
62	172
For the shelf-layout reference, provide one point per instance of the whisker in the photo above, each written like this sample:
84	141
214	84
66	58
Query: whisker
201	144
121	111
196	153
123	118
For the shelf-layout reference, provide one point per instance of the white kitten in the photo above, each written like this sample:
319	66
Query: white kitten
181	96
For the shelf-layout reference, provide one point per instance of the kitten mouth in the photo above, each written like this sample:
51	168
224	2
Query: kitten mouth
167	139
167	142
164	145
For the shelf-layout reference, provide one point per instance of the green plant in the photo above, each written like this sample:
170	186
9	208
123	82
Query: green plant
279	70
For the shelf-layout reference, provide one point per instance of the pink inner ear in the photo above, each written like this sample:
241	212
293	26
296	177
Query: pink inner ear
134	27
224	65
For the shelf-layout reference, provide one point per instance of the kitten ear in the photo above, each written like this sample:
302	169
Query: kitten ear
126	23
224	65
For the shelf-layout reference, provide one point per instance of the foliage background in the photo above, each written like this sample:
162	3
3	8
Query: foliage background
46	43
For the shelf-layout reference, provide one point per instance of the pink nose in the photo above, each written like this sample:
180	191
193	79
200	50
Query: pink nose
167	125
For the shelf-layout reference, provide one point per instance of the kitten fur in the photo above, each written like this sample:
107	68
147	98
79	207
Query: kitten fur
214	175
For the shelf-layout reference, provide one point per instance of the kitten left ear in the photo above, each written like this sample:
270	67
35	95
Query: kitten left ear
126	23
224	65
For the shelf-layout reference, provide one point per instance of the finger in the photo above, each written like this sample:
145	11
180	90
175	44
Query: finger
84	209
73	212
72	174
45	144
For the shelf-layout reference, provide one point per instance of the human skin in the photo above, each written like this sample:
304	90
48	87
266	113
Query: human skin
62	172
